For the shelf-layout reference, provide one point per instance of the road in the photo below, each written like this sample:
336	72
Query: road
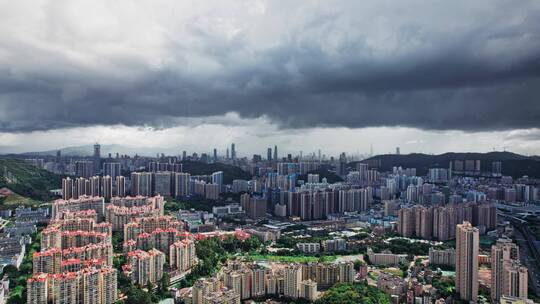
3	223
528	251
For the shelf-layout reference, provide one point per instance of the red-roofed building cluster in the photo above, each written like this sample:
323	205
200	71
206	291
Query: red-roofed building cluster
75	264
144	267
123	210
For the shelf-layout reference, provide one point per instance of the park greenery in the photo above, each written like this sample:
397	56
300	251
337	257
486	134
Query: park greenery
27	180
402	246
212	253
201	204
347	293
18	278
444	285
290	258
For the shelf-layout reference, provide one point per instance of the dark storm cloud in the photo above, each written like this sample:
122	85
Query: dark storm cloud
484	76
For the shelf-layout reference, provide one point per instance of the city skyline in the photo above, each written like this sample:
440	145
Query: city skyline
226	152
151	142
426	78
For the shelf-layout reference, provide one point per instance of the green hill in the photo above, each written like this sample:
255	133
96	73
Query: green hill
27	180
514	165
230	173
330	176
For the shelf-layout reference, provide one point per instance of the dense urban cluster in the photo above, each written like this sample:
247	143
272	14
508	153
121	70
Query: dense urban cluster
215	228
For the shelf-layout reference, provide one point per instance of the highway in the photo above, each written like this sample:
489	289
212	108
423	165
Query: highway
3	223
529	251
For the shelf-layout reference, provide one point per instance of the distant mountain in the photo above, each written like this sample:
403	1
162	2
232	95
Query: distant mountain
513	164
28	180
230	173
88	150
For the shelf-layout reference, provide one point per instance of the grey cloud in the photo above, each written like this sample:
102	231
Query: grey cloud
480	76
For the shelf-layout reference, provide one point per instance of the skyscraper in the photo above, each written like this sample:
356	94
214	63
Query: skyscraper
467	246
97	158
508	277
269	154
120	186
215	154
67	188
181	184
162	183
107	186
292	279
84	168
233	151
112	169
217	178
141	183
275	154
514	280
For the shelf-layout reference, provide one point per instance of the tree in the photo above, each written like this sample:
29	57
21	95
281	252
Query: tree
358	264
347	293
163	286
137	296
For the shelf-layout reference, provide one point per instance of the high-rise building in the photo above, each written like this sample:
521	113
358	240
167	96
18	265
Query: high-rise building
233	151
112	169
406	222
496	168
145	267
120	186
467	246
162	181
90	285
67	188
257	208
97	158
217	178
84	168
514	280
107	187
308	290
269	154
215	155
292	279
508	277
141	183
275	153
211	191
37	289
181	184
95	186
182	255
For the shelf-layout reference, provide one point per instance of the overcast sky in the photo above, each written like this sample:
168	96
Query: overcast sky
428	76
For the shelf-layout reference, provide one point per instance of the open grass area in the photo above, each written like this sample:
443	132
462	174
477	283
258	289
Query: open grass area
14	200
290	259
394	271
373	275
28	180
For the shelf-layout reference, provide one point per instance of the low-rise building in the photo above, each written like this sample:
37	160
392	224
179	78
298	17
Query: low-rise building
309	247
385	258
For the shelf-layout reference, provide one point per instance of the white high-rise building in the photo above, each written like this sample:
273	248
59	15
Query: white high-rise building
467	246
